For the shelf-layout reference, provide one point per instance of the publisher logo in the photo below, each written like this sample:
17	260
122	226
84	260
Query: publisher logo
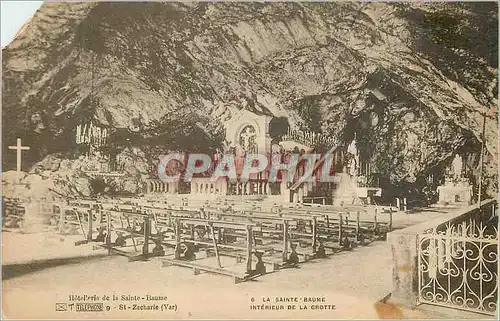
61	307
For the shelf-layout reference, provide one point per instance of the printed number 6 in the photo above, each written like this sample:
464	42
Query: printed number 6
252	299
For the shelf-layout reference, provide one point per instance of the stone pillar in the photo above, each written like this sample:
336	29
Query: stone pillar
223	187
301	194
405	268
285	192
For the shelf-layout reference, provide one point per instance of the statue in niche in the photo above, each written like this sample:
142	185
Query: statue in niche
248	139
239	159
353	156
457	167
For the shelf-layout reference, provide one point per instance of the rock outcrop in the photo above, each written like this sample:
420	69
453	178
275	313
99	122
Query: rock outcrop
415	81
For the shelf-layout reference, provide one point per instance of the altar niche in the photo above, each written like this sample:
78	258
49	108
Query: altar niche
249	132
457	189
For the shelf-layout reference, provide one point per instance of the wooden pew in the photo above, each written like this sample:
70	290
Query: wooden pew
213	227
274	229
124	225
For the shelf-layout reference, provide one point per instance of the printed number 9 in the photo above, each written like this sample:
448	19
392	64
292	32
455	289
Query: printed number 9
108	308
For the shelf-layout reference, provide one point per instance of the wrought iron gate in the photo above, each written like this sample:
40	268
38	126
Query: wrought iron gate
458	267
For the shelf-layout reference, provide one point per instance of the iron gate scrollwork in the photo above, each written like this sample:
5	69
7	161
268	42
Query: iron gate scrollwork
458	267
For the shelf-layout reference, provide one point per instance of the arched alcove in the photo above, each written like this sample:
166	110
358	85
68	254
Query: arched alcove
277	128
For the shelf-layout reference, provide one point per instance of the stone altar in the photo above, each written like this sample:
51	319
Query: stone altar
456	189
455	192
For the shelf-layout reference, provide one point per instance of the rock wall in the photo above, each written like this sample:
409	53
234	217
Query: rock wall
415	92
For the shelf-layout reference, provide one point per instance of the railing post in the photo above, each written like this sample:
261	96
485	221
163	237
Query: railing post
314	232
390	219
177	254
357	226
108	229
249	248
147	232
340	228
285	240
89	232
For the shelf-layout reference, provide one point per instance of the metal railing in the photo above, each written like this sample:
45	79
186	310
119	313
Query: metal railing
458	263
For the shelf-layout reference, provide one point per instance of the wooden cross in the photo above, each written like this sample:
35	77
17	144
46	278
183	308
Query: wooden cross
19	148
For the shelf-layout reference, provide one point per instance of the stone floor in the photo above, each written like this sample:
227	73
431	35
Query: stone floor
45	268
352	286
19	248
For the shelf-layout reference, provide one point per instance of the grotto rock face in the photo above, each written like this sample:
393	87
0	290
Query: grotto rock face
413	87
